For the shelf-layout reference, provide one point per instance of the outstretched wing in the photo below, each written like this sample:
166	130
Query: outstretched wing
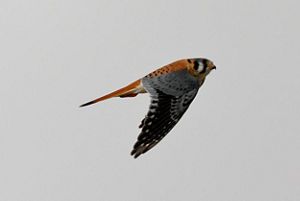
164	113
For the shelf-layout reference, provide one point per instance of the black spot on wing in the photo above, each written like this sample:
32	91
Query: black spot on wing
164	113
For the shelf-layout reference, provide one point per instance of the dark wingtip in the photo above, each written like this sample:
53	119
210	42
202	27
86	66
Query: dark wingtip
134	154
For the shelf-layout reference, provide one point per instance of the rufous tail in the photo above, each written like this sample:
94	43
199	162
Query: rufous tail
129	91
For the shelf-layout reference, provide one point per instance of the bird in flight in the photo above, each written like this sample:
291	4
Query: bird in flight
172	88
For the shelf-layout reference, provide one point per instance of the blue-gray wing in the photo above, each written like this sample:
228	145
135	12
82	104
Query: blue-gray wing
164	113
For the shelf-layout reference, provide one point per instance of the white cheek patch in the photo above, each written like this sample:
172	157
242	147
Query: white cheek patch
200	67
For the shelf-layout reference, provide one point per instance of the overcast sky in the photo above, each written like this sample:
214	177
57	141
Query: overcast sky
239	140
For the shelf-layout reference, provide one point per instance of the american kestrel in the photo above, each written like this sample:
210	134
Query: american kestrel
172	88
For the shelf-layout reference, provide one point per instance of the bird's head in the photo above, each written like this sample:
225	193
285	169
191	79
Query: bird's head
202	66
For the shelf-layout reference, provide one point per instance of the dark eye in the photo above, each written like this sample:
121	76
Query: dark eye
196	65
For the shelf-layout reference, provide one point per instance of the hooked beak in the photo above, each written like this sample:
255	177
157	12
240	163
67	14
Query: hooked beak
214	67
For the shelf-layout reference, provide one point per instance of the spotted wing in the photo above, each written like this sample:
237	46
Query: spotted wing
164	113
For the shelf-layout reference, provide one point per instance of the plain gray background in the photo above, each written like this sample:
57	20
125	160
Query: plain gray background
239	140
